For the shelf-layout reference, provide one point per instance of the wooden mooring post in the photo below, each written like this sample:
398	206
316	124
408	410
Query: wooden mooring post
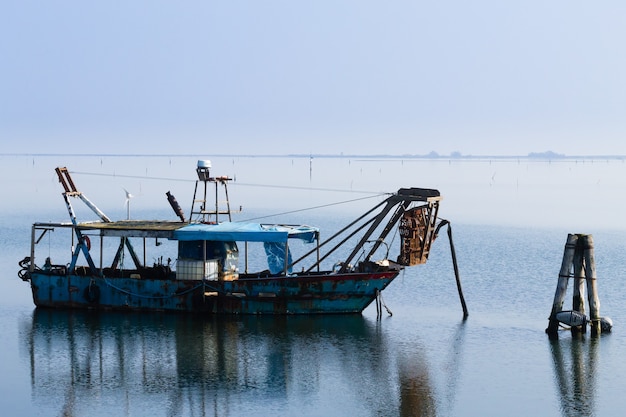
578	263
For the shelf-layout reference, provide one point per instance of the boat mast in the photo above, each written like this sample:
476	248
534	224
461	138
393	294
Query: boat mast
203	213
70	190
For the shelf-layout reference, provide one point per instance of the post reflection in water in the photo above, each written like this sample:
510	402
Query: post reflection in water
417	394
162	364
575	360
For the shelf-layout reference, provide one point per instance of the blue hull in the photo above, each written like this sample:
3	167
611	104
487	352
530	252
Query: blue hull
309	294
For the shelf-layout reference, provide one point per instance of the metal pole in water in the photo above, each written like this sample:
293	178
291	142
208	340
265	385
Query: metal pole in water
456	273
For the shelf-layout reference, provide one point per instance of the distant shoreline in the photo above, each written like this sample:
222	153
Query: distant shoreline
543	156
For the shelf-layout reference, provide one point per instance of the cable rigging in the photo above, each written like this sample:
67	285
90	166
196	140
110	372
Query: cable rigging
374	194
287	187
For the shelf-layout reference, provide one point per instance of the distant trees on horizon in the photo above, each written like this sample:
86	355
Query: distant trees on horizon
538	155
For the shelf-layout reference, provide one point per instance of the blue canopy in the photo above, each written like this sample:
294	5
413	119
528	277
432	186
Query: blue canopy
245	232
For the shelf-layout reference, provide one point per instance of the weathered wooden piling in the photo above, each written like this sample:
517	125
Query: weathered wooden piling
579	263
578	301
592	289
561	287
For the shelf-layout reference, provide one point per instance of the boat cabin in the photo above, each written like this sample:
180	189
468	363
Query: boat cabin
202	251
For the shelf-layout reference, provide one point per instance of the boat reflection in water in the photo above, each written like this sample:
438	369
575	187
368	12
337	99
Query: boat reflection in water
86	363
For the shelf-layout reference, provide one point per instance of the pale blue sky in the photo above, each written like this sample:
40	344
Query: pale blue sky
261	77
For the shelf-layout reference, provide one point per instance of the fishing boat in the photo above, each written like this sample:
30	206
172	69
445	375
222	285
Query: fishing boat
203	263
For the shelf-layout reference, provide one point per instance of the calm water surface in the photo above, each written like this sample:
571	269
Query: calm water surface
424	360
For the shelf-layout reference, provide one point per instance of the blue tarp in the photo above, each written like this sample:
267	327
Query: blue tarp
245	232
275	253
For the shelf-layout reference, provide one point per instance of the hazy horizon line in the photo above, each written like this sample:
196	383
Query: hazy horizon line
431	155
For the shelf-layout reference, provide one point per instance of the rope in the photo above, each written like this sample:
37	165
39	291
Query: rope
287	187
577	277
154	297
316	207
380	303
374	193
141	177
380	295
